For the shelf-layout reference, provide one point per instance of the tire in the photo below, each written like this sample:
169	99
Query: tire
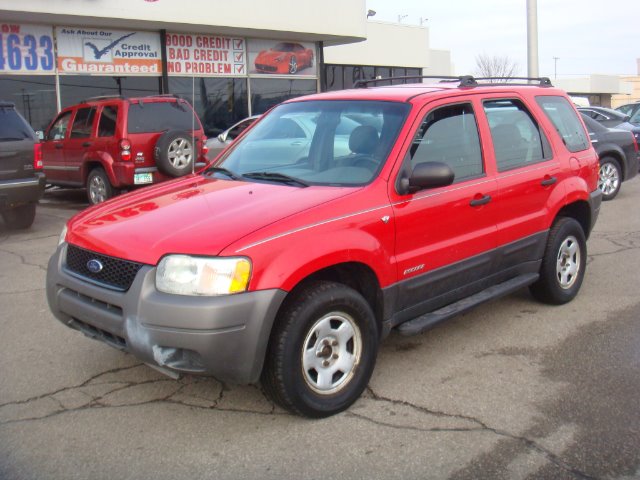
609	178
563	265
99	187
322	351
20	217
174	153
293	65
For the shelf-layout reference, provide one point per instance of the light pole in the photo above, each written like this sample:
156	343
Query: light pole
400	17
423	20
532	38
555	67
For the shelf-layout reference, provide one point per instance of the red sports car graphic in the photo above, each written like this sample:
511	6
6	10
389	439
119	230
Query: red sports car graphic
285	57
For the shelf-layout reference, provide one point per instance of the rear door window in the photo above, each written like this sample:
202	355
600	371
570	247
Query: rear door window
83	122
566	122
161	116
517	139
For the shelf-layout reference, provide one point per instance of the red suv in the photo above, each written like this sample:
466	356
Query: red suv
333	220
107	144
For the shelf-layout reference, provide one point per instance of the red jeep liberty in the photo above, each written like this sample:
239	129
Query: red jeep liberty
108	144
333	220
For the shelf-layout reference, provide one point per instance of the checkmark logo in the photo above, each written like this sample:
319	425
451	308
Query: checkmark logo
239	57
98	53
238	44
239	68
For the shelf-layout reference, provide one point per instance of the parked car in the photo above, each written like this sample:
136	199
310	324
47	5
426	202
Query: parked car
631	109
284	57
606	116
612	119
108	144
219	143
292	271
618	155
22	182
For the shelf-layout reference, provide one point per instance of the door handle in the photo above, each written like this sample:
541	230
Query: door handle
86	144
58	146
548	181
476	202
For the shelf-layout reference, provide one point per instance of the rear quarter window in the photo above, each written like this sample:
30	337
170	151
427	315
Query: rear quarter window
161	116
13	126
566	122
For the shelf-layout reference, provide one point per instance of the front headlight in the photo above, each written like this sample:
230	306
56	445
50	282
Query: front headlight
63	235
185	275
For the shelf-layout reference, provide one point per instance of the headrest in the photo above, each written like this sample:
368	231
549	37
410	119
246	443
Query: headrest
363	139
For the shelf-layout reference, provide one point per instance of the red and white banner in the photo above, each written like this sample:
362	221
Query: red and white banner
205	55
108	52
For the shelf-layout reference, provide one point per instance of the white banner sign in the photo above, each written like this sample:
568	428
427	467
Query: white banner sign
107	52
26	48
205	55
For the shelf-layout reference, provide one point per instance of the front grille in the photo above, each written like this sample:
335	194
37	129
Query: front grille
115	273
266	68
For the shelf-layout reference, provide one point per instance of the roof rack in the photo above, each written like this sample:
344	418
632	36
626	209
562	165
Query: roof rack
100	97
542	81
464	80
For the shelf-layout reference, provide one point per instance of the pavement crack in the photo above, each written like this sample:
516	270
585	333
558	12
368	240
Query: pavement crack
23	260
481	427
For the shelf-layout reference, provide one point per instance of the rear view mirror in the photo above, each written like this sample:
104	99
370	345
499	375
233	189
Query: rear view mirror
427	175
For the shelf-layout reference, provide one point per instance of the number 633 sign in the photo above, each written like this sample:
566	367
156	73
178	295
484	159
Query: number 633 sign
26	49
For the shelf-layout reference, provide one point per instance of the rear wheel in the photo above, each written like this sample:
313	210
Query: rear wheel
20	217
322	351
99	188
563	264
610	178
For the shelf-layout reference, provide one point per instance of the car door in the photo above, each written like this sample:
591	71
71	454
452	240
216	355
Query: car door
79	143
528	177
445	236
53	148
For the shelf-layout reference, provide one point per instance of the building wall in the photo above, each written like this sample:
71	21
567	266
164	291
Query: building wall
284	19
386	44
634	96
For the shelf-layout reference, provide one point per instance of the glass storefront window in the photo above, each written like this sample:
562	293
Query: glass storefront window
75	88
34	96
334	77
267	92
219	102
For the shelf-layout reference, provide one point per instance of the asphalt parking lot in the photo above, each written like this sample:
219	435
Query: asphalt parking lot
512	390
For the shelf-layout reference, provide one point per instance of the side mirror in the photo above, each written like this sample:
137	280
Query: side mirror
40	135
427	175
627	118
222	137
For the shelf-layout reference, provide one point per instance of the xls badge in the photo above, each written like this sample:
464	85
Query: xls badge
94	266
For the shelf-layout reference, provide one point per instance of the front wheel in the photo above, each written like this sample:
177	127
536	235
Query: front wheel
609	178
563	264
322	351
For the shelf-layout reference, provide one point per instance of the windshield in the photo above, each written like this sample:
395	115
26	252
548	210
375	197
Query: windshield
319	142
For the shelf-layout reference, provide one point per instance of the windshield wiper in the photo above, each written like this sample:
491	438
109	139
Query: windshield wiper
224	171
275	177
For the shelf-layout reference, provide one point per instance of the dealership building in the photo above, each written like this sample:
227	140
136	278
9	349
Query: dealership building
230	61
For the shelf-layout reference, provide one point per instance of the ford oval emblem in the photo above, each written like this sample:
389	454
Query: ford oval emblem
94	266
